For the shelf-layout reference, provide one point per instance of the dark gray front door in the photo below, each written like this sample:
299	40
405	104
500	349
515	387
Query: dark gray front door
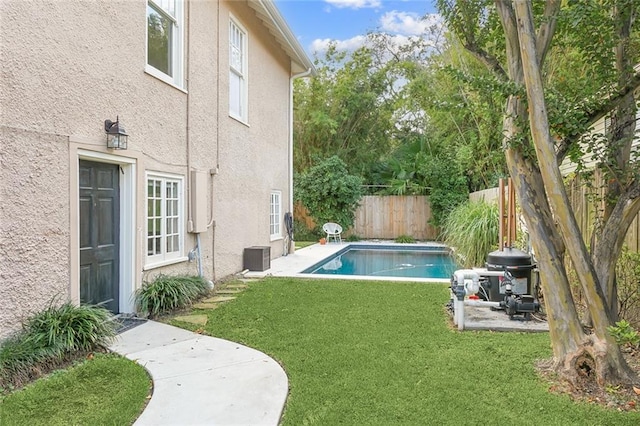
99	234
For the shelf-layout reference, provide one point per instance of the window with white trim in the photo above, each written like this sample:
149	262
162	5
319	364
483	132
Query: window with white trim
165	233
274	215
237	71
164	40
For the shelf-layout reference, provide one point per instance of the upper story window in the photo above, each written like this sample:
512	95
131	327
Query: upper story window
165	233
165	40
274	216
237	71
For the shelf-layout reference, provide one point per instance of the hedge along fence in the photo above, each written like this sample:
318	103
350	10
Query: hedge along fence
387	217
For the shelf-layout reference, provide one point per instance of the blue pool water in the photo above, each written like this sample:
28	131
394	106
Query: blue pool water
388	261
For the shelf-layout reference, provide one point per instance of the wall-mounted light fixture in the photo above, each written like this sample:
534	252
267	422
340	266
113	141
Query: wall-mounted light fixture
116	135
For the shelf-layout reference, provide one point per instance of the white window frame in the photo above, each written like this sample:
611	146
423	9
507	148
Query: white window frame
242	74
177	46
164	258
275	215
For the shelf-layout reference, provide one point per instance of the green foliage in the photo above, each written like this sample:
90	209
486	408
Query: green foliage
448	188
302	233
71	328
106	389
405	239
49	338
166	293
628	280
329	192
352	238
624	334
472	230
345	110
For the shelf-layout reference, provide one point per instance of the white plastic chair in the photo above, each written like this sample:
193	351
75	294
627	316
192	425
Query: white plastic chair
334	231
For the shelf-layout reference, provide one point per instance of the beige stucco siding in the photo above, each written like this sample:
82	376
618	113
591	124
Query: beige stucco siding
68	66
34	224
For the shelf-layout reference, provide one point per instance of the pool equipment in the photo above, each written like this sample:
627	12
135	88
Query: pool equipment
469	282
519	265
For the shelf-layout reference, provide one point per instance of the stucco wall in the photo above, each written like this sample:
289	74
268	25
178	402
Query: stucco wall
34	224
68	66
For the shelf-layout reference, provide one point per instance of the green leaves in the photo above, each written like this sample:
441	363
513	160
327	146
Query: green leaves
472	230
166	293
49	337
329	192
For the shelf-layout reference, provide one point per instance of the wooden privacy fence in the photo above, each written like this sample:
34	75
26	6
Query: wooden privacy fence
581	196
584	207
390	216
386	217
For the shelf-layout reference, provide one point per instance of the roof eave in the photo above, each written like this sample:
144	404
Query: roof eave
269	14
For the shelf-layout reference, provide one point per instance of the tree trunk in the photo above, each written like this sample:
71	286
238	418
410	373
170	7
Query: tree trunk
597	353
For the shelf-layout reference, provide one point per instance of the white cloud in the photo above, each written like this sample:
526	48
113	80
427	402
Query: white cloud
319	46
409	23
354	4
400	29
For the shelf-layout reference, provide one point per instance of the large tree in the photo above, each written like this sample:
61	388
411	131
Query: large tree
538	136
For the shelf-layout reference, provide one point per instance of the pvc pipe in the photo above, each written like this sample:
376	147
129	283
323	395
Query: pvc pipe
459	313
199	254
482	303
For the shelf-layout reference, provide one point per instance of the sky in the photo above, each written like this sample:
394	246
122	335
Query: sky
317	22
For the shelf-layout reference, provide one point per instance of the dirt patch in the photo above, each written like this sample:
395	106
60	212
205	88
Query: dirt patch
620	397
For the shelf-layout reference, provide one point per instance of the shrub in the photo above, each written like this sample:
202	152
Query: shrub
302	233
472	230
624	334
329	192
628	280
166	293
50	338
353	238
405	239
71	328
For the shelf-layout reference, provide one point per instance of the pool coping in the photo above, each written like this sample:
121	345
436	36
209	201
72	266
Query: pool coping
293	264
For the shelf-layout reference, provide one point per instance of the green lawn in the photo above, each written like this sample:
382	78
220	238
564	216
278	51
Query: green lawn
107	390
380	353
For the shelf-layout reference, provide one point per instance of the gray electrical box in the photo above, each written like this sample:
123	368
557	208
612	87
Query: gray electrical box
257	258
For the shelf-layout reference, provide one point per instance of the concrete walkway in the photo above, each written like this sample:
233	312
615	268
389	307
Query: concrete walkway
202	380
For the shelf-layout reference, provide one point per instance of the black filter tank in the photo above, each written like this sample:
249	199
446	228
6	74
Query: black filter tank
518	263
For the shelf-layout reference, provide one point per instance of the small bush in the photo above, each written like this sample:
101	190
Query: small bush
353	238
302	233
71	328
405	239
166	293
50	338
624	334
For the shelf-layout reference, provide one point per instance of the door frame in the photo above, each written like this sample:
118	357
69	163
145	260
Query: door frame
128	258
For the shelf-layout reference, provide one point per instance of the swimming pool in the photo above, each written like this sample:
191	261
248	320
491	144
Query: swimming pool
388	261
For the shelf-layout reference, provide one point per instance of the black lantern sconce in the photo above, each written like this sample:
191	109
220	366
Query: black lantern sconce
116	135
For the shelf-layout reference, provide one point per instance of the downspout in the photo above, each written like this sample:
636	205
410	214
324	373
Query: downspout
214	172
291	79
187	131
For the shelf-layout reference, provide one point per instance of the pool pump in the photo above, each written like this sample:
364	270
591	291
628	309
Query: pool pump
473	283
515	304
